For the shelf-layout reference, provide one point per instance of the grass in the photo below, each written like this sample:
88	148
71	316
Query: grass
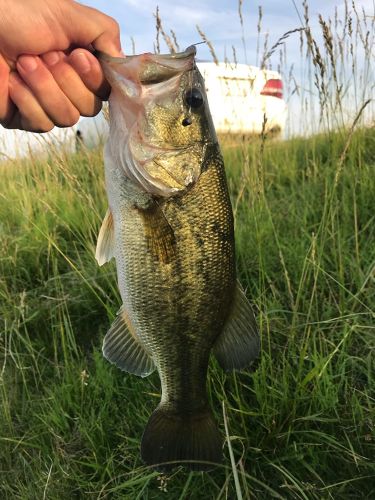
301	425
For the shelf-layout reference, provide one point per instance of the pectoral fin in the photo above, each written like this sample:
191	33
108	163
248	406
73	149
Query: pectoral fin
159	234
238	344
122	348
106	240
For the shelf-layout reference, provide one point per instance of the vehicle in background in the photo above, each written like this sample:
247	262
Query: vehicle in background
244	99
239	95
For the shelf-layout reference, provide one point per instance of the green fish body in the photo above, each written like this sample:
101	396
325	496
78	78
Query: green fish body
170	228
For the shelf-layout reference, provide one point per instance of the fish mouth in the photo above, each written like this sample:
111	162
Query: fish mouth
187	53
148	68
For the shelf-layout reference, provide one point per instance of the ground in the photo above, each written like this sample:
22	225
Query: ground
301	423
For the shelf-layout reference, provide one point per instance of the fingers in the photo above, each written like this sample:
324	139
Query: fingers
46	91
90	72
82	87
30	115
55	89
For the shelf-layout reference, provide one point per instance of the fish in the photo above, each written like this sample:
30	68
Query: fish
169	226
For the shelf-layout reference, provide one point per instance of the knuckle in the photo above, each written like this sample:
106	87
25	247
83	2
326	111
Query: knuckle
91	106
41	126
113	25
45	128
70	119
93	109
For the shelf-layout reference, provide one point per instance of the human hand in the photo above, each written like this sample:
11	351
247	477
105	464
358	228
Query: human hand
44	79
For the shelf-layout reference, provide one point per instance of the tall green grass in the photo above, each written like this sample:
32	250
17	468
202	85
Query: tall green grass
301	424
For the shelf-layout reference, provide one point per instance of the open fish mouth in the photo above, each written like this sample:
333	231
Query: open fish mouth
154	68
188	52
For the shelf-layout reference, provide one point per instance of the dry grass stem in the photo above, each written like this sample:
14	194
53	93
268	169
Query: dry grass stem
279	42
167	39
210	46
344	153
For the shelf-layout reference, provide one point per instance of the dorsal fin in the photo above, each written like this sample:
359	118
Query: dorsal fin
106	240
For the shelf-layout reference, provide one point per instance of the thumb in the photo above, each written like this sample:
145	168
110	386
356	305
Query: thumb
94	28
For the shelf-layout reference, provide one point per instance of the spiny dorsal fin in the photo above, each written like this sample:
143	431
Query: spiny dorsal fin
122	347
159	234
238	344
106	240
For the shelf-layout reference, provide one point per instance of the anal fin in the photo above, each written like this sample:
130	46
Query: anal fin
122	348
239	343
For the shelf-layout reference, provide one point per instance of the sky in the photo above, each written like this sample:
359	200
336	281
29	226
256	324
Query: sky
218	19
220	22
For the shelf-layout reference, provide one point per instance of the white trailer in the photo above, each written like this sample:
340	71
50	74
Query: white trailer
242	96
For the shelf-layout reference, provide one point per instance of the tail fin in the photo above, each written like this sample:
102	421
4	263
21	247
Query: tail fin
192	440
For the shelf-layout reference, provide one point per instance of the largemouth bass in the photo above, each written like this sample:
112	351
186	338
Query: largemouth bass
170	228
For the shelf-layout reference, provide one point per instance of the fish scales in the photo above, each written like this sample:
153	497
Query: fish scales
172	235
189	295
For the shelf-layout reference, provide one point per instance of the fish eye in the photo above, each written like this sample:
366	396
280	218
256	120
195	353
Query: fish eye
194	98
186	121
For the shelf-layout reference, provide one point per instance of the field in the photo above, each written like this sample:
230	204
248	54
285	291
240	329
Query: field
301	424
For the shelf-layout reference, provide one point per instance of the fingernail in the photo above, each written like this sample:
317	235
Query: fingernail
81	62
28	63
51	58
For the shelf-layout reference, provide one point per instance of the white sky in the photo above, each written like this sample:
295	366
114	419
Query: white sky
220	22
